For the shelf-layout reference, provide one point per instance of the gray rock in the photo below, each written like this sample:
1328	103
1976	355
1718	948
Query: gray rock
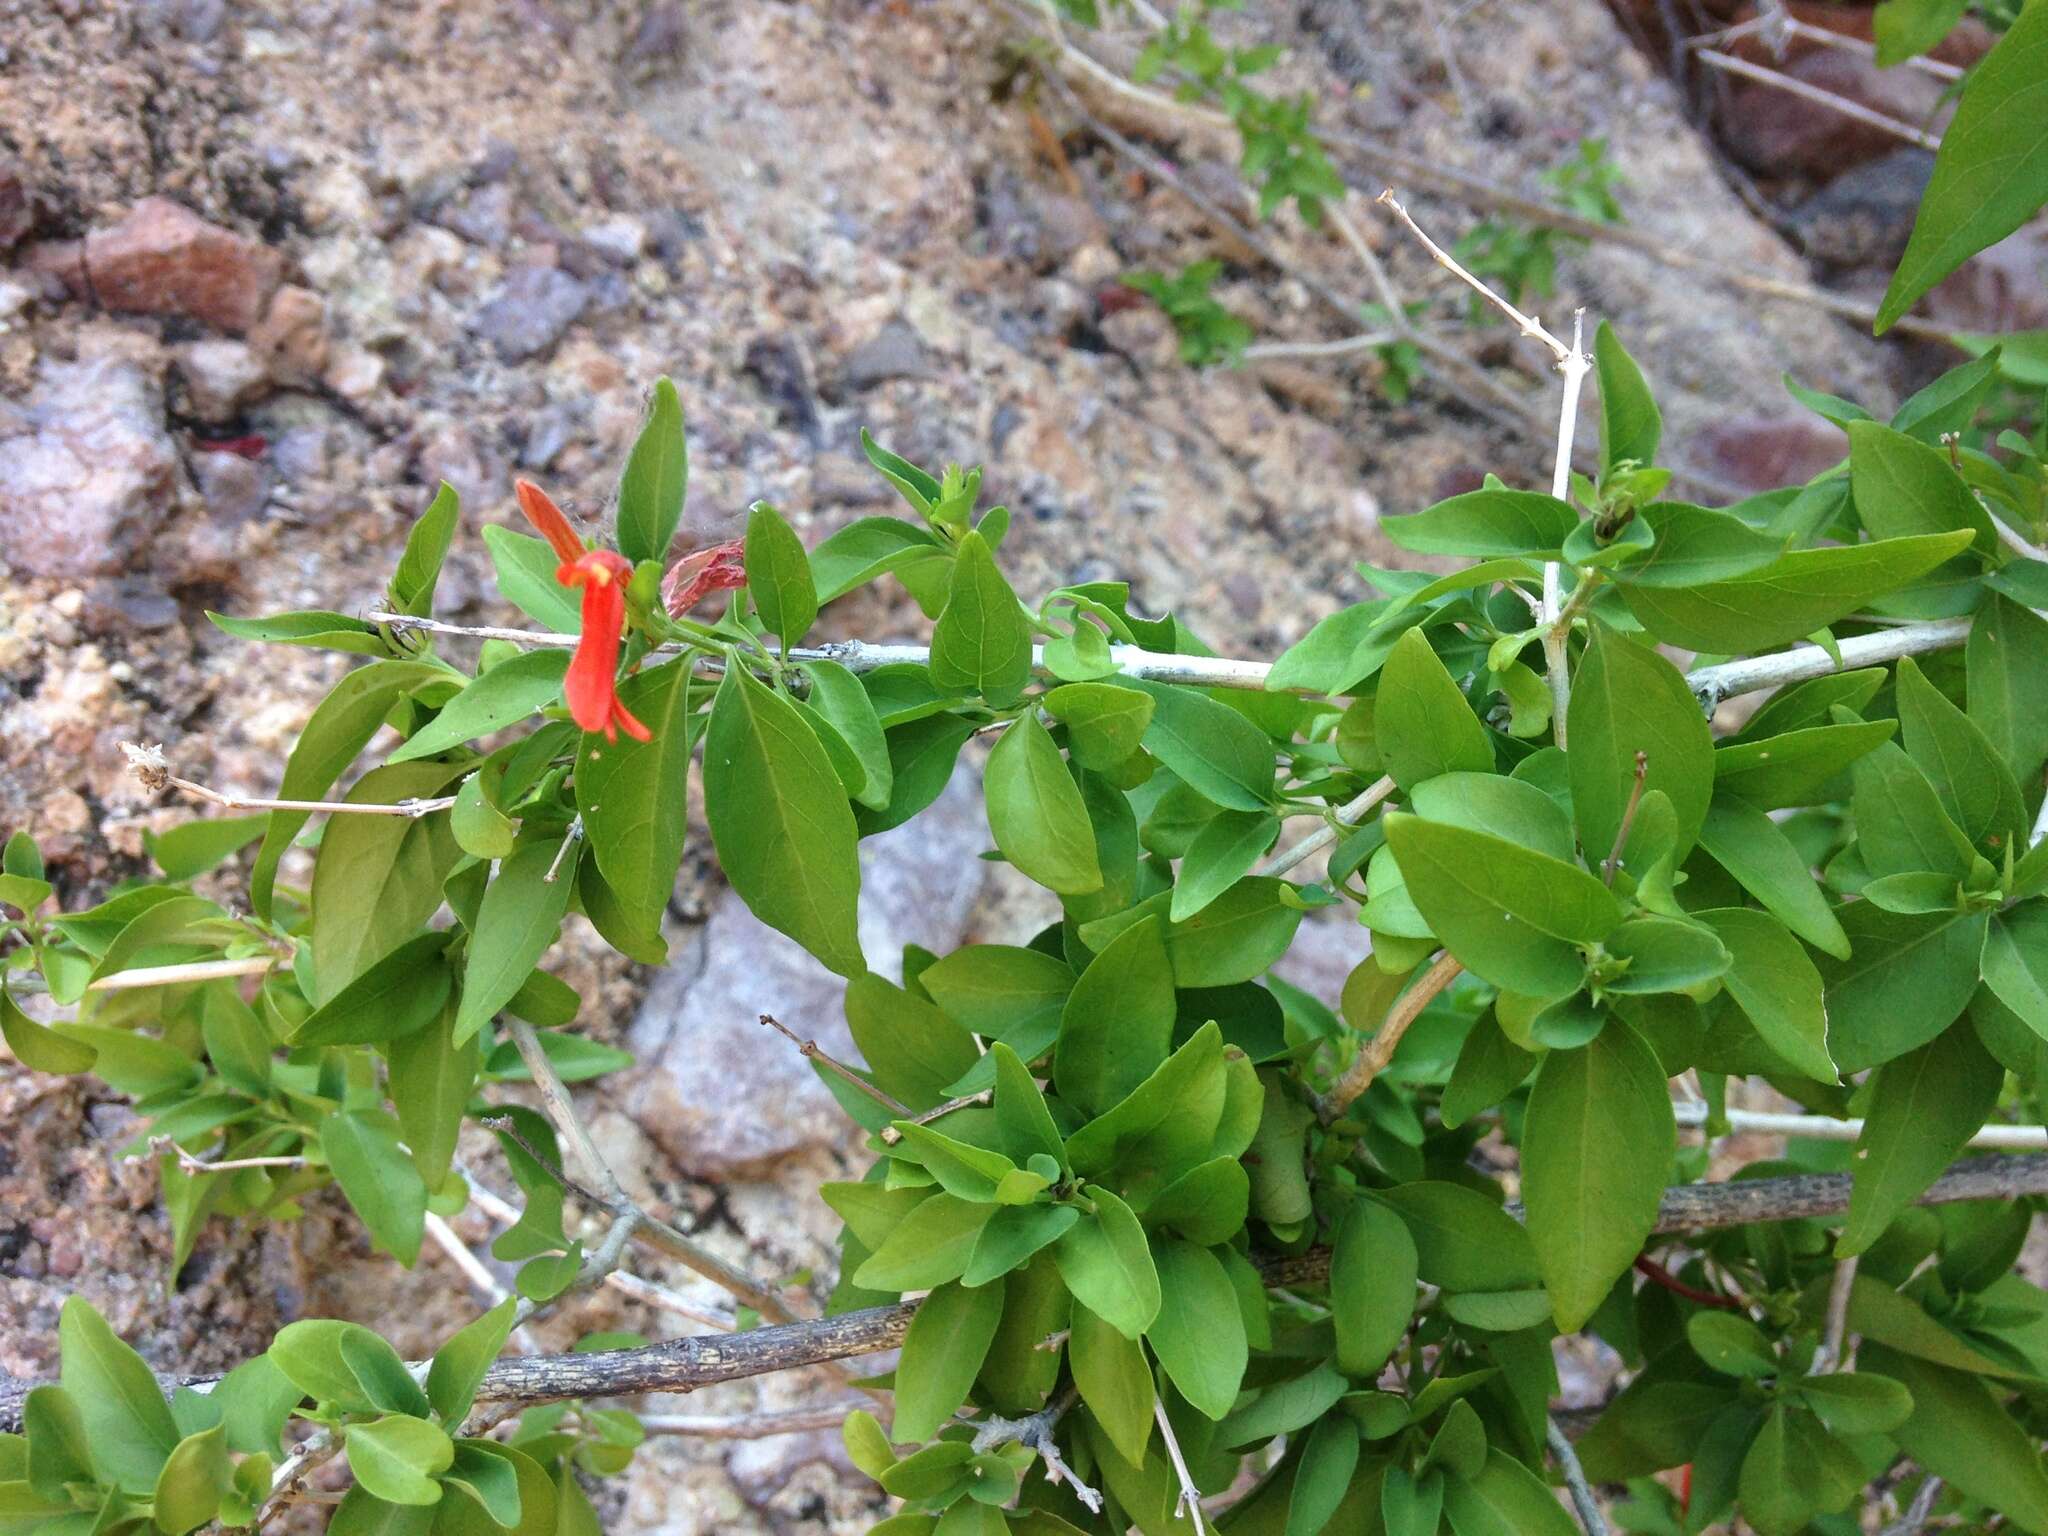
86	469
221	376
236	489
893	352
530	311
718	1092
129	603
483	218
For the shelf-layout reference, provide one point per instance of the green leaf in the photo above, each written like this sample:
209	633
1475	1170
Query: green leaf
1628	699
1664	954
1198	1333
2008	677
1857	1403
1775	983
1991	173
485	1473
1630	423
982	642
627	795
1421	721
1510	915
336	734
929	1247
1012	1235
395	1458
1904	29
362	1513
194	847
1411	1507
517	688
362	1148
426	547
1902	828
1505	1499
1463	1240
1222	853
39	1047
127	1423
655	479
377	877
779	819
1788	599
1695	545
59	1451
838	698
189	1489
1926	1106
1976	787
525	568
1489	1067
1329	1460
1776	1486
971	1172
430	1083
1024	1124
1960	1431
1906	981
779	576
1795	767
1731	1344
1486	523
1211	747
459	1365
394	997
520	917
317	628
255	1399
942	1354
1373	1270
916	1051
1236	936
1903	486
1107	1265
2016	962
1117	1026
1002	992
1597	1147
1036	813
869	547
921	758
1105	723
1114	1382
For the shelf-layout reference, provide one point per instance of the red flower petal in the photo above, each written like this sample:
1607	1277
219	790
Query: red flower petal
542	512
592	679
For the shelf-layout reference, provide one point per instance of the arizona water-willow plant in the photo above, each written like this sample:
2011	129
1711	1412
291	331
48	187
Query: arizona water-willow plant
1191	1243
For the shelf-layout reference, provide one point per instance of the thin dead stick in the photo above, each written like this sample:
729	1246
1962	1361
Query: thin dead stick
1035	1432
1261	351
1373	1057
680	1365
164	1146
832	1064
891	1135
1628	819
480	1279
1792	85
1919	1512
1781	27
1345	817
1189	1499
1583	1500
1528	325
172	975
648	1231
2000	1138
1802	663
751	1426
1479	192
153	771
1832	1354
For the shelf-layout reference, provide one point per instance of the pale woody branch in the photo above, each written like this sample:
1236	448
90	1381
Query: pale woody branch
681	1365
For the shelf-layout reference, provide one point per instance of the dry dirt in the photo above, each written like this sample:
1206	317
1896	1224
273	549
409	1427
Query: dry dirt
497	223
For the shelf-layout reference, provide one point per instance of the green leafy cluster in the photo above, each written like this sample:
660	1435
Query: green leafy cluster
1208	332
1520	259
104	1452
1153	1227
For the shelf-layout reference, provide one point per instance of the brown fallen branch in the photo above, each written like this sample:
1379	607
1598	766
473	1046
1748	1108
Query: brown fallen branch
682	1365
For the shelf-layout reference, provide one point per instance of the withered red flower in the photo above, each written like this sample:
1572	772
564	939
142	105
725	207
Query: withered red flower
719	568
591	686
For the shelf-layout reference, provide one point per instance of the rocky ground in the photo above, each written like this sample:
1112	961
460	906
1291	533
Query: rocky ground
270	272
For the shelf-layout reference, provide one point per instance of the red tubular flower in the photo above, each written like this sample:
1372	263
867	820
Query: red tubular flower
591	685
